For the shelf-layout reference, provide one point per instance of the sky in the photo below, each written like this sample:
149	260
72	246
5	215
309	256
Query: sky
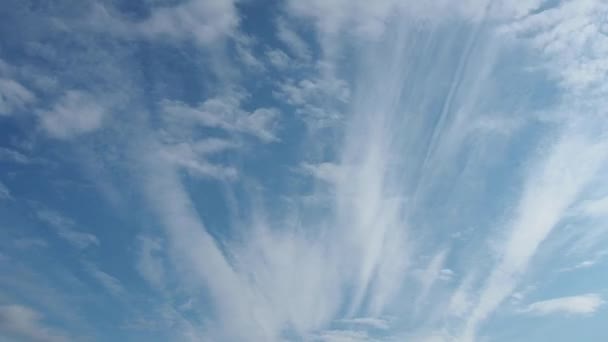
316	171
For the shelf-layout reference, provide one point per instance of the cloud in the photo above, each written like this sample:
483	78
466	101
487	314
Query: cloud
110	283
13	96
342	336
202	21
399	87
571	37
194	156
64	227
27	243
372	322
5	193
74	114
595	208
549	191
25	324
327	172
245	50
318	101
278	58
585	304
8	154
225	112
296	45
150	263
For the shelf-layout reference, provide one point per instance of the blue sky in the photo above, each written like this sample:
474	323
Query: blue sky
324	170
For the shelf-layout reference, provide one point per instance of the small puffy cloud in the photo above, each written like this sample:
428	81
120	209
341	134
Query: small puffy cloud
294	43
225	112
21	323
244	49
446	274
13	96
75	113
194	157
5	193
200	20
64	227
278	58
317	100
327	172
149	262
585	304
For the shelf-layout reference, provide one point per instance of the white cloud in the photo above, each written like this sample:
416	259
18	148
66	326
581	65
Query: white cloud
25	324
74	114
317	100
203	21
552	187
585	304
150	263
595	208
296	45
64	227
193	157
342	336
245	50
225	112
372	322
13	96
5	193
110	283
278	58
571	37
327	172
8	154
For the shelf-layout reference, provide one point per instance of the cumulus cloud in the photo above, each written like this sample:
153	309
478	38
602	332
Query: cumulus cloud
225	112
75	113
585	304
278	58
292	40
202	21
150	263
25	324
193	157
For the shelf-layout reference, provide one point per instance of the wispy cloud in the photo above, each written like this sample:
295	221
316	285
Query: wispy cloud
65	229
7	154
585	304
13	96
5	193
23	323
110	283
341	171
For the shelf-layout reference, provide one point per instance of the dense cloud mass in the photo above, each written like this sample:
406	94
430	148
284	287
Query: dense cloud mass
326	170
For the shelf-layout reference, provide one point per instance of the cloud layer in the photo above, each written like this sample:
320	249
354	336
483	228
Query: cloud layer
330	171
